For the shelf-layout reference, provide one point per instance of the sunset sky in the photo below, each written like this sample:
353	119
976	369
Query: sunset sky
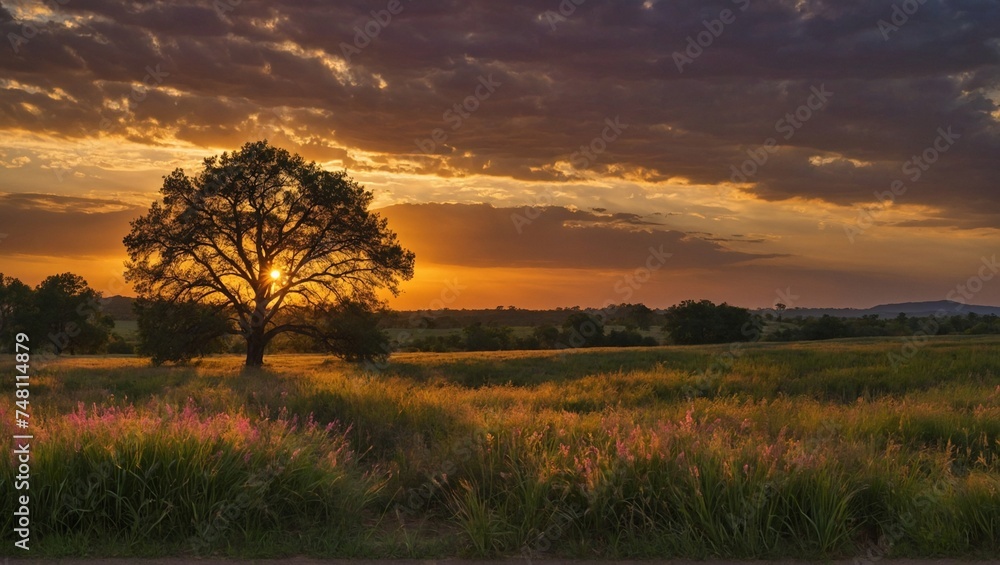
537	153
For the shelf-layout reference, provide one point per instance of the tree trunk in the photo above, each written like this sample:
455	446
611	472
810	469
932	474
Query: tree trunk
255	347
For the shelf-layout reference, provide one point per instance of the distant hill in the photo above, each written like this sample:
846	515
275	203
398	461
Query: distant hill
119	307
911	309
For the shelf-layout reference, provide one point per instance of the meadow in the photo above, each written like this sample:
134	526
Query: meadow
817	450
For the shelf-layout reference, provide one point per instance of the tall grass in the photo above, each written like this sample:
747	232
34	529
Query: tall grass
185	478
800	450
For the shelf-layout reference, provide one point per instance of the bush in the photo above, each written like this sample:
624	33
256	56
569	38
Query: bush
479	337
350	331
628	338
118	346
178	332
826	327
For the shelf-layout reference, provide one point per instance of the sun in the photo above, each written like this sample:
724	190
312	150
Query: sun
276	274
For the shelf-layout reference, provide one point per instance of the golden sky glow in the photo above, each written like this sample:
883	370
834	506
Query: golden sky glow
529	161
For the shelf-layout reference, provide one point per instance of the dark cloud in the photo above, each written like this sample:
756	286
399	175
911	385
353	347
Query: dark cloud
551	237
444	234
559	81
63	226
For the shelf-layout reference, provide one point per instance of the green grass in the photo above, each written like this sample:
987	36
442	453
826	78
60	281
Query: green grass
803	450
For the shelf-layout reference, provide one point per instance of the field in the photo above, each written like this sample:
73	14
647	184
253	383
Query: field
815	450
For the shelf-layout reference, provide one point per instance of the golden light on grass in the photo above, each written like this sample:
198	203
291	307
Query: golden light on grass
782	438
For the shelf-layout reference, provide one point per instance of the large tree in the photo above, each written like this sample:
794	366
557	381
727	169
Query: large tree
270	240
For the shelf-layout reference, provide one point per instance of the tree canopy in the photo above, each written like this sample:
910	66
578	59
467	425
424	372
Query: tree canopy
693	323
271	241
62	314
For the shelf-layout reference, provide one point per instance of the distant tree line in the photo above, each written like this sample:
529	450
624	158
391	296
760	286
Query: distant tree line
63	314
830	327
580	329
633	315
687	323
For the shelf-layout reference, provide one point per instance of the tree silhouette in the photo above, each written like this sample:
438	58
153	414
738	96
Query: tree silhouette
67	312
697	322
270	240
178	331
15	297
779	307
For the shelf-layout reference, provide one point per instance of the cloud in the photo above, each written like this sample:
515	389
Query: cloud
562	255
468	235
558	85
554	237
63	226
15	162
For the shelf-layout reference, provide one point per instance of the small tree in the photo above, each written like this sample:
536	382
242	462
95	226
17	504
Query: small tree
632	315
271	239
546	336
583	330
351	330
